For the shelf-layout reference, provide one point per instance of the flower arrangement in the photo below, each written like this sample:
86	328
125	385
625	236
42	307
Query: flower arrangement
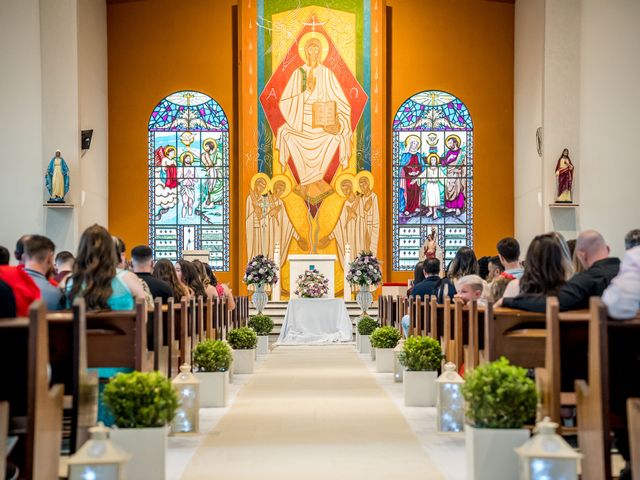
260	271
311	284
365	270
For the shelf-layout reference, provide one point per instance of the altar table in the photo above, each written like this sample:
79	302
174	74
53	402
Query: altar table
315	321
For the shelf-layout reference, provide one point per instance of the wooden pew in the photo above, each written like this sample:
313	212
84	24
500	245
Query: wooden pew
4	436
118	339
566	360
162	339
515	334
609	369
36	408
68	360
209	326
633	419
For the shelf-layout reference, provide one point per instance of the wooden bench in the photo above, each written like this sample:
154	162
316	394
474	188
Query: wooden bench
4	437
515	334
118	339
35	408
633	420
68	360
566	359
611	373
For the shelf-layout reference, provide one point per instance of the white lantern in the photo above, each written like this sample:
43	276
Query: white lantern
398	369
187	417
98	458
547	456
450	402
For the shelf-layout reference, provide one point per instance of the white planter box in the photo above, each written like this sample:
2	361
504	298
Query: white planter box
490	454
213	388
385	359
244	360
419	389
263	344
365	344
147	447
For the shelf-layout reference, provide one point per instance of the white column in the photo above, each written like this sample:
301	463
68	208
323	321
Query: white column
275	291
22	177
347	260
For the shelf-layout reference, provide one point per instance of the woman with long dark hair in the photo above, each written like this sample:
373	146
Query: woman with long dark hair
547	268
464	263
164	270
190	277
96	278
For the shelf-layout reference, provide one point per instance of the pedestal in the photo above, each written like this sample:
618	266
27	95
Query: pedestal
324	264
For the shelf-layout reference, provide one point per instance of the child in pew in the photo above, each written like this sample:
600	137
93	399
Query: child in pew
471	287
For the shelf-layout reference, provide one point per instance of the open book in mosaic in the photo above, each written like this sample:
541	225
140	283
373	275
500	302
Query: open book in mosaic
189	178
432	178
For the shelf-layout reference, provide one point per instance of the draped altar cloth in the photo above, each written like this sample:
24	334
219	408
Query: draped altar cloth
315	321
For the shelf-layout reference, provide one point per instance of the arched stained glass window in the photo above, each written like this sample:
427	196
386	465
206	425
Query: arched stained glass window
432	177
189	178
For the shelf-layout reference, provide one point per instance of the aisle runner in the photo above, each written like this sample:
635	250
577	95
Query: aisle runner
312	413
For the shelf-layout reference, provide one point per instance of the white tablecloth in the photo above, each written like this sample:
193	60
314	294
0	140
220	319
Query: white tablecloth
315	320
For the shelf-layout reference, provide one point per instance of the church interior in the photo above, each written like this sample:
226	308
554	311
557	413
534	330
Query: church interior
321	238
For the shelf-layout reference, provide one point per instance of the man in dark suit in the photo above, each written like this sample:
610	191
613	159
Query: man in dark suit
142	259
428	286
593	253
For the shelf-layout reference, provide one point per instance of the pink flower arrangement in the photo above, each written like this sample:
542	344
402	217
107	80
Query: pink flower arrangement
311	284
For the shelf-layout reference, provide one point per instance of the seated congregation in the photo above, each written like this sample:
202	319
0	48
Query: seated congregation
536	313
72	322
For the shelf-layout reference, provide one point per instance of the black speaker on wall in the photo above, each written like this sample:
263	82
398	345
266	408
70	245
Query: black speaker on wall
86	139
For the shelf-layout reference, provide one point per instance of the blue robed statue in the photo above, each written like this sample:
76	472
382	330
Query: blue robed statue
57	179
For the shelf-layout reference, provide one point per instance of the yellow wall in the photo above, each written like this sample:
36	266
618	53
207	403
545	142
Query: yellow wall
464	47
151	56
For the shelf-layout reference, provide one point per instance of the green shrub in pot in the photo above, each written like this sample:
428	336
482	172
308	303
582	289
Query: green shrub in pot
212	356
242	338
367	325
141	399
261	324
499	395
385	337
421	354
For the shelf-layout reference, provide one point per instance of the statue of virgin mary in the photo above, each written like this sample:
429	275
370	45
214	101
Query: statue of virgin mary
57	179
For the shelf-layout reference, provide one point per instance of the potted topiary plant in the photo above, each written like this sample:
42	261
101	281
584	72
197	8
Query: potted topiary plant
422	357
262	325
384	340
243	340
500	399
366	326
212	359
142	404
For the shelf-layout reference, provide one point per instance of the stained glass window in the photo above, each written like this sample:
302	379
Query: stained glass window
432	177
189	178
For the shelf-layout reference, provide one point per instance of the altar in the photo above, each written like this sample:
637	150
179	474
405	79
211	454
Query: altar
325	264
315	321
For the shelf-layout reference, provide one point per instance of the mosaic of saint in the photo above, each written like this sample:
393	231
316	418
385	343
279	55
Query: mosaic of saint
314	191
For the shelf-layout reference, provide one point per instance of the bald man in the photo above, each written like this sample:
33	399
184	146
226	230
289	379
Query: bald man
593	253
